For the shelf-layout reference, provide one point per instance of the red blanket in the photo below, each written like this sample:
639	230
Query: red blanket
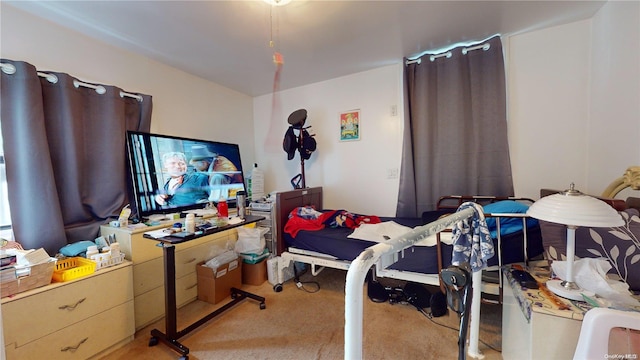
330	218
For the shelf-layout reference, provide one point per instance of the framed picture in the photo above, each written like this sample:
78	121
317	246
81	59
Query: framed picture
350	125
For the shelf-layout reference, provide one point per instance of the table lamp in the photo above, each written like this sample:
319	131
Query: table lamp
573	208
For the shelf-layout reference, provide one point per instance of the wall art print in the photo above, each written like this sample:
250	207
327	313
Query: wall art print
350	125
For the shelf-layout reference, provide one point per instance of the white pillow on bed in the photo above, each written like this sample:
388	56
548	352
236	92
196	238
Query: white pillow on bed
379	232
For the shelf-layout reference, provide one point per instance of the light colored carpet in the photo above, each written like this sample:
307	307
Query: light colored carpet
300	325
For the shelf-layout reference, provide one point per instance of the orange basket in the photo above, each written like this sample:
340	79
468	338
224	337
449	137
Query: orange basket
73	268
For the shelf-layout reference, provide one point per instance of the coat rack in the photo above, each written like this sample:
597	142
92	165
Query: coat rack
304	143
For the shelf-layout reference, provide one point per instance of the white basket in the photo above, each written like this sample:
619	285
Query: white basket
107	260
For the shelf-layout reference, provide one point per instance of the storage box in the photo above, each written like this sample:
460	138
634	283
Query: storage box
254	258
254	274
39	275
215	286
73	268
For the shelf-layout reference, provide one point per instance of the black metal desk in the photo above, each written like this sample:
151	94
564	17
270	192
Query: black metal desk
172	335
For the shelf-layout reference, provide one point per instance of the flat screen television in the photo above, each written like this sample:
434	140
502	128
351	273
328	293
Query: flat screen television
170	174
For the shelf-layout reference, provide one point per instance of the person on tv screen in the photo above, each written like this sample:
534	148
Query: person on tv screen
221	171
182	188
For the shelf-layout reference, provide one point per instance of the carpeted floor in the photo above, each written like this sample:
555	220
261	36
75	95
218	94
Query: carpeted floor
301	324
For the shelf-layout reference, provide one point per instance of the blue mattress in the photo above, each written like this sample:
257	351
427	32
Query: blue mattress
421	259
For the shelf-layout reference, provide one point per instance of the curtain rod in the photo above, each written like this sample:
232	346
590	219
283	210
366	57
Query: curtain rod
101	89
448	54
10	69
485	47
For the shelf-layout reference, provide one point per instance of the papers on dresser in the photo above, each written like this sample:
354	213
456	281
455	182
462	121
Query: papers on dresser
25	259
158	234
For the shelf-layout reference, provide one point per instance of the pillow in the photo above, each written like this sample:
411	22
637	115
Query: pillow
507	225
633	203
619	245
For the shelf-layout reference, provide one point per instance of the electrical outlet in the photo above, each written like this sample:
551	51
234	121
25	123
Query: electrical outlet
394	110
392	173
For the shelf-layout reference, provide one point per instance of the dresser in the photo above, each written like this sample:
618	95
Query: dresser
71	320
148	267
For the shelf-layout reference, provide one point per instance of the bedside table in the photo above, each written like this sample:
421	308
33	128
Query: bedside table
533	326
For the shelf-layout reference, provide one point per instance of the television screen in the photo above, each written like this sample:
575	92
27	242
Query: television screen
173	174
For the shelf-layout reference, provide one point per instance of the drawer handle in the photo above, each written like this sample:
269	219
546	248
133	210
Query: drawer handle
74	348
190	260
192	286
72	307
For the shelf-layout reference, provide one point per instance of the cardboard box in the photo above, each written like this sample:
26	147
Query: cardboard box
215	286
39	275
254	274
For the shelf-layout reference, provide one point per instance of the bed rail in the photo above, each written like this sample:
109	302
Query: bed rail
454	201
361	265
525	243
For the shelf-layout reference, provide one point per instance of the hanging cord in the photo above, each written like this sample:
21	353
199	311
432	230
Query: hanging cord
272	42
301	284
397	295
430	317
271	27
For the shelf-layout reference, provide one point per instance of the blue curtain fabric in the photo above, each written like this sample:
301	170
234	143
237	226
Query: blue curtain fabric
455	130
65	154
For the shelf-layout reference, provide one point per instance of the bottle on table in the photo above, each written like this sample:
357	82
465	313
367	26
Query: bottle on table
223	208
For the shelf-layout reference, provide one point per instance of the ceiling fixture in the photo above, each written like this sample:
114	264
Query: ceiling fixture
277	2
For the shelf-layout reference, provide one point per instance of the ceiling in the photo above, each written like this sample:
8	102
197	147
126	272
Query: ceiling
228	42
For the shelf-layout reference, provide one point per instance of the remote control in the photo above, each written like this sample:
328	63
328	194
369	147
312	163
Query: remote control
524	279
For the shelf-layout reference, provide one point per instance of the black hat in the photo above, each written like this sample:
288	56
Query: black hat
199	152
290	143
308	145
298	118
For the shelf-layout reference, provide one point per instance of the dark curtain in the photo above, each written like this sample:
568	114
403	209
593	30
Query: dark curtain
455	132
65	154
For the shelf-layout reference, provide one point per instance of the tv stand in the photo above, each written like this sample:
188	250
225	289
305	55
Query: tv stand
172	336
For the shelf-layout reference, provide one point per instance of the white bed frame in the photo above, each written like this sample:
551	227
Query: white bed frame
382	255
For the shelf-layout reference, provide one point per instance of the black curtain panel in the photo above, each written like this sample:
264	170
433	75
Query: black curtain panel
65	153
455	132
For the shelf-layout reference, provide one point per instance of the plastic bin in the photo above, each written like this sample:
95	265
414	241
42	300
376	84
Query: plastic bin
73	268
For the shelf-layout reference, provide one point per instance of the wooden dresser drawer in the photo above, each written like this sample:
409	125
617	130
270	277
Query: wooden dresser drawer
149	271
149	306
81	340
150	274
63	304
187	259
186	289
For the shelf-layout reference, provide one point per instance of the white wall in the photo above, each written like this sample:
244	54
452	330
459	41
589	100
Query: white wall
573	97
183	105
548	97
573	116
356	174
574	102
614	126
